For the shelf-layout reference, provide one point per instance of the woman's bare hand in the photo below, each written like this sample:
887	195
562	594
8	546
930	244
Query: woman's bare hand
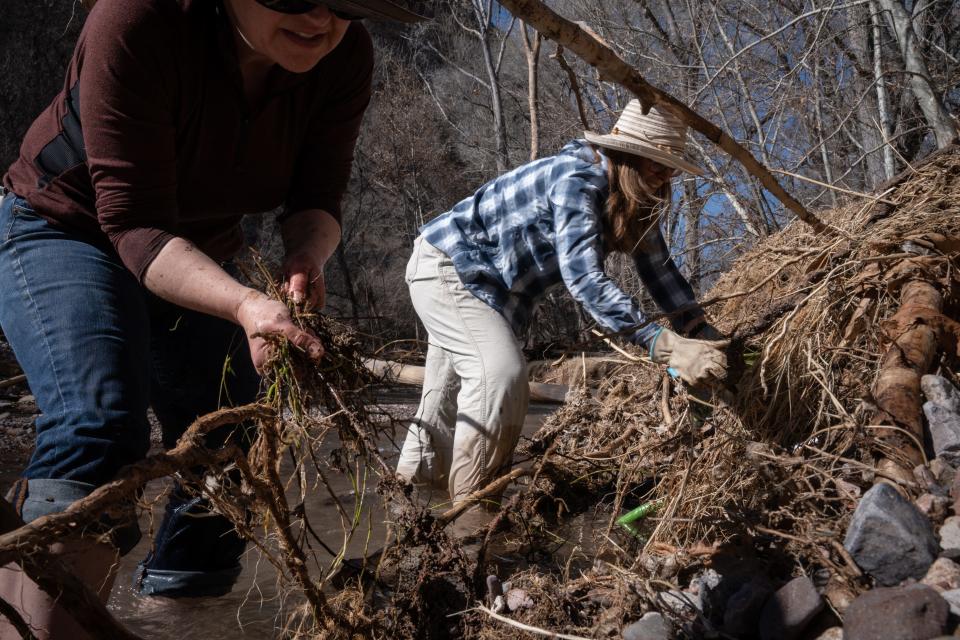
262	316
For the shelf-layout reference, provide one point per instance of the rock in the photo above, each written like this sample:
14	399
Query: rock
652	626
790	609
938	389
950	536
890	538
713	592
518	599
706	581
934	507
833	633
744	607
680	602
924	476
943	471
944	427
847	489
944	575
26	400
915	612
955	494
953	600
839	594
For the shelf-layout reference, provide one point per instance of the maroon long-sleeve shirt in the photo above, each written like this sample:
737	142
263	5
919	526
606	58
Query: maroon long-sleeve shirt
152	138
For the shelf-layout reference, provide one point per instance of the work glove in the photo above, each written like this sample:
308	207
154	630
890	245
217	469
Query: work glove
696	362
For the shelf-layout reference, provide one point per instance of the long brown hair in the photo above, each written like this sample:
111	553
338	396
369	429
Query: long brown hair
632	206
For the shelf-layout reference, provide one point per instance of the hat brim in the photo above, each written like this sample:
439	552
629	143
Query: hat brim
374	9
617	143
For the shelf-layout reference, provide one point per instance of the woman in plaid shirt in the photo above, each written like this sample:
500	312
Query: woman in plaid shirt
478	270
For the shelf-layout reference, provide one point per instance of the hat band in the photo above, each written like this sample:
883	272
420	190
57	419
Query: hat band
662	147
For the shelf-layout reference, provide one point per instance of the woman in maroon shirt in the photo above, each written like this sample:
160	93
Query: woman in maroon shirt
119	222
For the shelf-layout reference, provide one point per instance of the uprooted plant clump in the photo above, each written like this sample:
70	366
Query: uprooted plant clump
420	574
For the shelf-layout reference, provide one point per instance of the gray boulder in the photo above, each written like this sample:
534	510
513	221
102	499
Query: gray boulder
950	536
652	626
944	575
943	471
944	427
938	389
714	591
890	538
933	506
680	602
953	600
788	611
915	612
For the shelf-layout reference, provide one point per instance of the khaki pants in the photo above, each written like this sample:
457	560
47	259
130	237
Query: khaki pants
475	390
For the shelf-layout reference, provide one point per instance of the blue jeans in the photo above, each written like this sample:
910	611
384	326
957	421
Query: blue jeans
98	349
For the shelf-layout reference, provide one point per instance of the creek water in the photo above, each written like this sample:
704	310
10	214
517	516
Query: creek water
255	609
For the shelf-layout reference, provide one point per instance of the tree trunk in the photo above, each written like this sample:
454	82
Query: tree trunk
862	134
818	115
919	77
400	373
496	101
532	50
889	167
691	236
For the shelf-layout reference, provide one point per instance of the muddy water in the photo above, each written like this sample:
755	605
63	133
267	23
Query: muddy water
253	609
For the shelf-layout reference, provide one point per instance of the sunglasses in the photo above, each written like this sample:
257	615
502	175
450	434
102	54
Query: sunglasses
293	7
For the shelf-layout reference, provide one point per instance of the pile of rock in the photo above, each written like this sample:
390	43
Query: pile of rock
893	539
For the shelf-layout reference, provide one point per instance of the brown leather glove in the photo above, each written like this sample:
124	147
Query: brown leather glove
696	362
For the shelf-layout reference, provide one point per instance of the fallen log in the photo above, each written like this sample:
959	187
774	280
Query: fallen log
915	332
400	373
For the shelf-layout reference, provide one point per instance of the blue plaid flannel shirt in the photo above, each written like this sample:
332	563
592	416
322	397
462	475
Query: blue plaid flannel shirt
538	226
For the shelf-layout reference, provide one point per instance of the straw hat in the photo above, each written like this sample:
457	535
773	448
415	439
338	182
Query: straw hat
399	10
659	136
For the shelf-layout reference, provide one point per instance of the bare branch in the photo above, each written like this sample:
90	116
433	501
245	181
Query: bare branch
605	60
